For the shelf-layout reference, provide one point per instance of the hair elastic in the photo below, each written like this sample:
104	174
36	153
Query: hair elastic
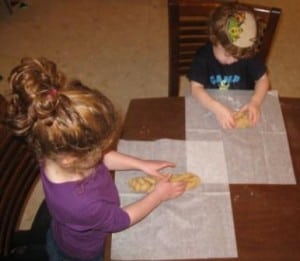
52	92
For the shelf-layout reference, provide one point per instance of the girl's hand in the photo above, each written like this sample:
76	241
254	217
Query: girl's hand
164	190
152	167
168	190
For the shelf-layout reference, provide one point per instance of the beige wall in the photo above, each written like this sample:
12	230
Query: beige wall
140	43
284	62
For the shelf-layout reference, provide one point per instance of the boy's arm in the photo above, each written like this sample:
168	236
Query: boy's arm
253	107
223	114
261	88
202	96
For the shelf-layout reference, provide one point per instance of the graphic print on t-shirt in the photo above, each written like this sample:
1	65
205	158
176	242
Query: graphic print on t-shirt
224	81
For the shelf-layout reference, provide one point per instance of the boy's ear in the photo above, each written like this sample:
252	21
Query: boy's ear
213	39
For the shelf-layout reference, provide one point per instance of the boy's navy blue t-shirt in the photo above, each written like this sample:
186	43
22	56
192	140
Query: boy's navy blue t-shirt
240	75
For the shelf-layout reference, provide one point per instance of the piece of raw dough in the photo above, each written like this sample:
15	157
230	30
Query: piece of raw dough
147	183
241	119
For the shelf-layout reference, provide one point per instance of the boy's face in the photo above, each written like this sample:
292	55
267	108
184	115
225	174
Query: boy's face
222	56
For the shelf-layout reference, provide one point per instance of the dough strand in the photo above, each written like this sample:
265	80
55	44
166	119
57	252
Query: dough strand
241	119
146	184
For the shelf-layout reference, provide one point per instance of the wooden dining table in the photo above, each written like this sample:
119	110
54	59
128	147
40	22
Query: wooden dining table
266	217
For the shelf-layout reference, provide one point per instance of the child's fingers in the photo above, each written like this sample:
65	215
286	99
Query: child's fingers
180	185
167	177
159	176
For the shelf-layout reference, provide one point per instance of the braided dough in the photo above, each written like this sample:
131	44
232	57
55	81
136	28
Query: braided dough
241	119
147	183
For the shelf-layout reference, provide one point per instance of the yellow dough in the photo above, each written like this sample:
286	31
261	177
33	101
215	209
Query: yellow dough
241	119
147	183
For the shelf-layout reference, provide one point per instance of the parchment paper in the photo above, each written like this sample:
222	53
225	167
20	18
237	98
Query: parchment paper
258	155
197	224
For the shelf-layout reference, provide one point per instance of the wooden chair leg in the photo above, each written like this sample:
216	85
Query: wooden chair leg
8	5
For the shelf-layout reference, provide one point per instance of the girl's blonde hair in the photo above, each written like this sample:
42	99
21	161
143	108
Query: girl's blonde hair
218	30
59	117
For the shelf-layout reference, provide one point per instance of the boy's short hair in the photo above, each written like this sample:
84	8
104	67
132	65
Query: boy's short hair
236	28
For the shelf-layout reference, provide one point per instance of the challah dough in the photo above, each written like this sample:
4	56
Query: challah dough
147	183
241	119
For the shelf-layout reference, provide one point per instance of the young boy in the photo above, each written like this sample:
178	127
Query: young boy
229	61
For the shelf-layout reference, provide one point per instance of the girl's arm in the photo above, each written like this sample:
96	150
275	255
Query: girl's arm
118	161
164	190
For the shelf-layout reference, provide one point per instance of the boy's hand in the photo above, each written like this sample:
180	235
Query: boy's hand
253	112
224	116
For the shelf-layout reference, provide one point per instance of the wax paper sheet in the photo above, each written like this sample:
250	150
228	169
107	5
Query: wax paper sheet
257	155
197	224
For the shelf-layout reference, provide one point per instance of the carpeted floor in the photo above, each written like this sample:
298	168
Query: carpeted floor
120	47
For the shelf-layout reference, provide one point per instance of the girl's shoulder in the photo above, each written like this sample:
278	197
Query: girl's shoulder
55	173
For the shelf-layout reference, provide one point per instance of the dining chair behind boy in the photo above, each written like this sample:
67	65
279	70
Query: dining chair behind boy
188	30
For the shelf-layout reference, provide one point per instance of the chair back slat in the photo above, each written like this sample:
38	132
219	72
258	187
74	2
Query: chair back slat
19	171
188	30
270	18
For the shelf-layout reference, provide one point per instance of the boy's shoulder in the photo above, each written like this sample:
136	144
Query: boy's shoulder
205	50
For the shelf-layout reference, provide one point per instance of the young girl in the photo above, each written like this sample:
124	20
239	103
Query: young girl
229	61
71	128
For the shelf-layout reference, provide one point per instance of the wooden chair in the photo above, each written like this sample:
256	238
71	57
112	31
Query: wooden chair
8	6
19	171
188	31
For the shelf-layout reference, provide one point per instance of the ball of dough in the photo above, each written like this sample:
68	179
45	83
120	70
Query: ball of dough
241	119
